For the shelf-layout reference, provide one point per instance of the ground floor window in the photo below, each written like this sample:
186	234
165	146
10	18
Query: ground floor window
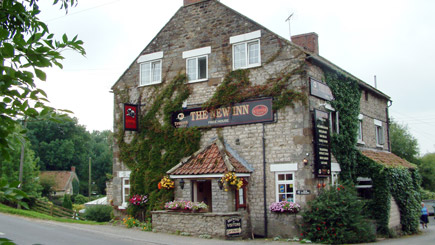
364	187
125	191
201	192
285	190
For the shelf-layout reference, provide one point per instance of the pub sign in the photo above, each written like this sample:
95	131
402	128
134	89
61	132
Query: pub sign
322	144
254	111
320	90
233	227
130	117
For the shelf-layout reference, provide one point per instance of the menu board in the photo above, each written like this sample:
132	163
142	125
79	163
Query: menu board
322	144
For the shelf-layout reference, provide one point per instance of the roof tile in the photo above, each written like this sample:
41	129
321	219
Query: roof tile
387	159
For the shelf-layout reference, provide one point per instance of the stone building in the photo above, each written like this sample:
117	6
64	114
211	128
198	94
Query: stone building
282	154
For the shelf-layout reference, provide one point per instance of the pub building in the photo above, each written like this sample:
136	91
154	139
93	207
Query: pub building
282	155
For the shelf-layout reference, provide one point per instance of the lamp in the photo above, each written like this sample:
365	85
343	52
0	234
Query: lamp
305	161
220	184
182	183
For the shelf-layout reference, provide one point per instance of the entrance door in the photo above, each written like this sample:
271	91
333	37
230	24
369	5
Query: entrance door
202	192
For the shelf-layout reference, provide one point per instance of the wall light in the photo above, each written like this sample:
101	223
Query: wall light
182	183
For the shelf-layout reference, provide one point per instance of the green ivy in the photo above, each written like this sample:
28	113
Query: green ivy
401	183
158	146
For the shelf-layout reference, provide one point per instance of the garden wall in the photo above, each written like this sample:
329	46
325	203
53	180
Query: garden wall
196	224
284	225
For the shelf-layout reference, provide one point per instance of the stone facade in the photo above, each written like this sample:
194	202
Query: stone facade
280	146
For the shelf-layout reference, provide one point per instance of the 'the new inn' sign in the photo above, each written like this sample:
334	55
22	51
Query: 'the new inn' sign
254	111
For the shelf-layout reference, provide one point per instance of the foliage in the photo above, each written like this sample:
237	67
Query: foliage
403	144
347	98
47	183
336	217
285	207
80	199
130	222
67	202
236	88
148	226
10	193
75	186
99	213
427	195
158	146
400	183
26	47
61	145
427	170
10	167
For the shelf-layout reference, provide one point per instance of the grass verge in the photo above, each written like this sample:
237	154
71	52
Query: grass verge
36	215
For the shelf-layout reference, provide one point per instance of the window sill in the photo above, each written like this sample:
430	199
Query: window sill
248	67
379	146
198	81
360	142
150	84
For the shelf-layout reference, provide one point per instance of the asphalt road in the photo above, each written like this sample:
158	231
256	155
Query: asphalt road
26	231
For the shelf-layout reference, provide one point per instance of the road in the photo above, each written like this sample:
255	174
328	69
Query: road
26	231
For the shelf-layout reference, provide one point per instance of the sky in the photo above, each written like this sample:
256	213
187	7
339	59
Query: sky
390	39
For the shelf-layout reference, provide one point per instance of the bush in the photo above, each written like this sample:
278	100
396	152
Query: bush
67	202
99	213
336	217
80	199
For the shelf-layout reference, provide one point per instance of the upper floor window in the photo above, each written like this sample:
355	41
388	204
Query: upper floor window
150	68
360	129
197	64
246	50
333	119
379	132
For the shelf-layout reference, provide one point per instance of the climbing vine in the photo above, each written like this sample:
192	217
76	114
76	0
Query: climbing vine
158	146
237	87
401	183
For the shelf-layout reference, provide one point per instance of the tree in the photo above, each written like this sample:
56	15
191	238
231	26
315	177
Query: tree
48	183
101	146
403	144
427	171
66	203
9	167
26	47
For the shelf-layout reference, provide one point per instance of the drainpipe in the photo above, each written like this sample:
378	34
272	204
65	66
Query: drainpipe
264	184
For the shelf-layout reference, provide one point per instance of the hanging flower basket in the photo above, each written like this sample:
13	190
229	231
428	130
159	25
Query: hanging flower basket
285	207
230	180
166	183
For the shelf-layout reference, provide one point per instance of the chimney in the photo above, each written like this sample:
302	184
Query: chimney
309	41
189	2
73	169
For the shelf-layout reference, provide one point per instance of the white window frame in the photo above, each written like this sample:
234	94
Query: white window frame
335	172
196	54
360	129
379	133
285	182
333	113
124	187
147	61
197	69
245	40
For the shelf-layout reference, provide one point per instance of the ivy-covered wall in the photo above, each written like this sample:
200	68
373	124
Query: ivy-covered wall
401	183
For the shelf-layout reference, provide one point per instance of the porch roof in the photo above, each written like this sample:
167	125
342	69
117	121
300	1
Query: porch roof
212	159
387	159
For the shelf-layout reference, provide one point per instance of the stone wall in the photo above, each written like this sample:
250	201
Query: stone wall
285	225
196	224
394	221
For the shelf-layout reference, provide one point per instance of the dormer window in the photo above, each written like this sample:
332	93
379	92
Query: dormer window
150	68
246	50
197	64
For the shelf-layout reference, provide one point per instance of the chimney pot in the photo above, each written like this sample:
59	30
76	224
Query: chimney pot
73	169
309	41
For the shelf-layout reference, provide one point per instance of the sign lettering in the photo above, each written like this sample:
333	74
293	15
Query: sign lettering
322	145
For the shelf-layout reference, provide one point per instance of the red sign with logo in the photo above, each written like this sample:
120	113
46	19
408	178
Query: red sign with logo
130	117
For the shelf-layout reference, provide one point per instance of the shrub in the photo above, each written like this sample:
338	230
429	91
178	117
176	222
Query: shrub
67	202
99	213
336	217
80	199
130	222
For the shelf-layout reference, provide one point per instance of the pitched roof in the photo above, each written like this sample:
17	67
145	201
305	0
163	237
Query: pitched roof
61	178
387	159
213	159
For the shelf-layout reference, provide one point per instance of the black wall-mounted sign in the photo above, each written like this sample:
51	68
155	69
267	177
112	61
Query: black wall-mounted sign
320	90
233	227
322	144
131	114
303	192
254	111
